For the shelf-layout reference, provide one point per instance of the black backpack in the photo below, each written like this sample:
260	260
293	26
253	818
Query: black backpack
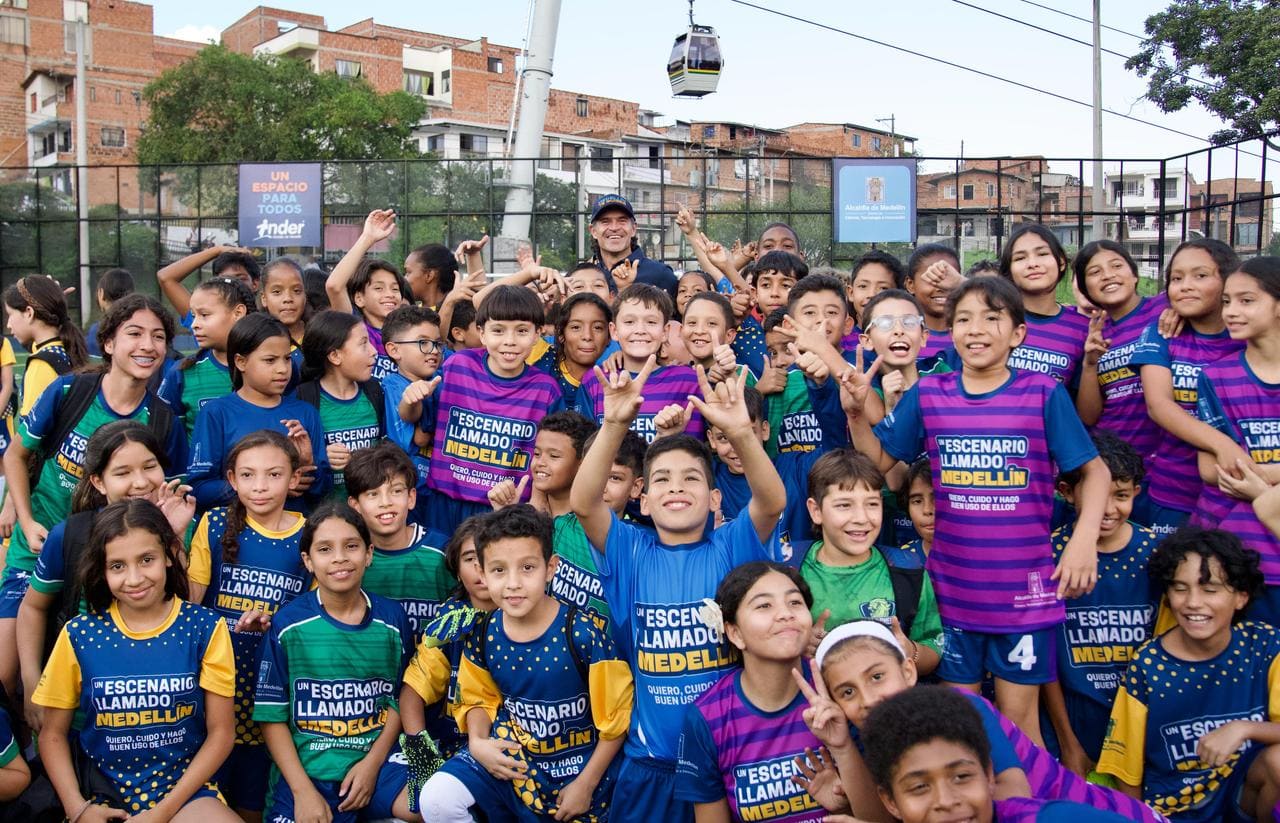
56	358
309	392
907	585
71	408
66	603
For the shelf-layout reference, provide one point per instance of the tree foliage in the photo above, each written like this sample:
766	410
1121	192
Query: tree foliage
1232	45
224	107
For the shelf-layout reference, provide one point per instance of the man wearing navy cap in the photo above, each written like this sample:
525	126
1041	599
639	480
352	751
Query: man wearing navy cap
613	234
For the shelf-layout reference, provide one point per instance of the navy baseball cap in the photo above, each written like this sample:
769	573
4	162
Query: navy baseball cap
612	201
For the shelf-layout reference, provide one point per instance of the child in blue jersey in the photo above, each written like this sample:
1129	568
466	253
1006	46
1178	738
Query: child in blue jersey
462	331
283	293
488	405
545	699
223	261
328	677
994	437
258	355
123	461
1196	720
915	499
152	674
413	342
408	558
707	329
1035	261
894	332
1105	627
338	380
930	759
369	286
581	338
742	738
15	776
933	272
770	278
216	305
872	273
429	701
46	461
1170	370
655	582
245	565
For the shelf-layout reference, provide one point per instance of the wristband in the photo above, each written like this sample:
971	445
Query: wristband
77	815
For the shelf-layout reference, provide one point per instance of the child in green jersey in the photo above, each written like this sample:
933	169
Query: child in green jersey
328	676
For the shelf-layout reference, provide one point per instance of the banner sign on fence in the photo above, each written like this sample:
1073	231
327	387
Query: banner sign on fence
873	199
280	204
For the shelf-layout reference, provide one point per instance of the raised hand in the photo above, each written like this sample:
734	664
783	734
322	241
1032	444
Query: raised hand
773	379
506	493
894	384
855	384
379	225
624	274
823	717
176	503
673	419
942	276
419	390
742	302
806	339
726	362
818	777
301	438
816	632
623	393
1095	345
686	222
476	246
722	405
813	366
1170	324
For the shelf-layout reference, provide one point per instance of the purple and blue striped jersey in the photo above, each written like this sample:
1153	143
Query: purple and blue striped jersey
993	458
1054	345
1173	479
734	751
666	385
485	425
1236	402
938	342
1124	411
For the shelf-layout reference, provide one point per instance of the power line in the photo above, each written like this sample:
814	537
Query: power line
1113	53
969	69
1083	19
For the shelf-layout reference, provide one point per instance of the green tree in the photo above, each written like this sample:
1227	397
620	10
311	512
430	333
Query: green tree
224	107
1233	46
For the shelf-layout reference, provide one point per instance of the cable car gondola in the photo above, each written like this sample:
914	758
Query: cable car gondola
694	67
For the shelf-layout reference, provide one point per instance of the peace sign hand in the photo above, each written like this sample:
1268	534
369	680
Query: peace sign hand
855	384
622	392
823	717
1095	345
723	405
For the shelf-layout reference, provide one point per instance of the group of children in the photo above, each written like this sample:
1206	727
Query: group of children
569	546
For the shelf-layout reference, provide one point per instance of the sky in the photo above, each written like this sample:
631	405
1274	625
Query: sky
779	72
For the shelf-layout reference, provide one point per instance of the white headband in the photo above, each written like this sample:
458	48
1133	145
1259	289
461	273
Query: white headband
858	628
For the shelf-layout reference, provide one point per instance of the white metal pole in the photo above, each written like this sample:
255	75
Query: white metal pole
533	115
1098	193
82	172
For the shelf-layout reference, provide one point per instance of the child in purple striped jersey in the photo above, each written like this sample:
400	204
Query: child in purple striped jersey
994	436
488	408
742	737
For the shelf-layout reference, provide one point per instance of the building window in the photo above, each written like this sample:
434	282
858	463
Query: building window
581	106
93	94
655	157
495	65
708	132
35	102
117	97
347	68
13	30
857	141
446	81
875	143
1168	187
991	190
419	83
435	144
1246	234
601	159
473	143
949	192
966	192
113	137
69	40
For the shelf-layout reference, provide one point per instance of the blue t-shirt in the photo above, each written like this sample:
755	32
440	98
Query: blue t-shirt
749	346
797	525
222	422
400	432
655	593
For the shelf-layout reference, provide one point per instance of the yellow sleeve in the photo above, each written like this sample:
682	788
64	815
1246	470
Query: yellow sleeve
218	668
612	693
60	682
428	673
476	689
199	561
540	347
6	354
1124	750
38	376
1164	618
1273	690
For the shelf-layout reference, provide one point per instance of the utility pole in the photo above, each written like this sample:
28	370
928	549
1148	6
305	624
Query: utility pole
1099	224
893	132
78	13
536	79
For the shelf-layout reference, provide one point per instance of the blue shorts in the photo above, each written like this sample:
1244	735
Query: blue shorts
646	791
1026	658
13	585
243	777
392	778
496	799
445	514
207	790
1166	521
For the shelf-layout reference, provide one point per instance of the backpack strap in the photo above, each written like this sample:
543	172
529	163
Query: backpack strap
75	539
570	617
160	418
309	393
373	391
72	406
907	586
55	357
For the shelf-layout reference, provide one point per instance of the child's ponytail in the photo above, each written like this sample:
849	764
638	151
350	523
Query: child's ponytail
43	295
237	514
